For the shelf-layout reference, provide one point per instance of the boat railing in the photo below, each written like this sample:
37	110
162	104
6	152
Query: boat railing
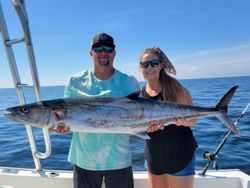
19	6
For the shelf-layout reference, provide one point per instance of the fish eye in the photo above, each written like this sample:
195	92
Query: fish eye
25	110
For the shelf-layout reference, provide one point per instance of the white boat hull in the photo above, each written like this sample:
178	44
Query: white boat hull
29	178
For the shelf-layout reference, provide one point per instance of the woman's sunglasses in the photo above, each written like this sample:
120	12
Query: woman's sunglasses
153	63
101	48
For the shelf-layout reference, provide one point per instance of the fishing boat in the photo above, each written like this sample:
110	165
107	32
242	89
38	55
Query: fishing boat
11	177
30	178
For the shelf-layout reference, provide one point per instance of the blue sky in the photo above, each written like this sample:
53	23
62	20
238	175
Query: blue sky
201	38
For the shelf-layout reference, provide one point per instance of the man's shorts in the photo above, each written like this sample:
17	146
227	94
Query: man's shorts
120	178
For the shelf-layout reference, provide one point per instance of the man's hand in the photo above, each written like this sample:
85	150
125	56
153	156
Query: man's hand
154	126
60	129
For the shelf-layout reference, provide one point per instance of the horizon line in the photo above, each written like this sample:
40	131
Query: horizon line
181	79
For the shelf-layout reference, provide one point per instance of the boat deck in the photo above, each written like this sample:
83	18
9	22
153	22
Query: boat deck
28	178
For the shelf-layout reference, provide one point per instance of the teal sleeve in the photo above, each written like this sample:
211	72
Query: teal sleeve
67	90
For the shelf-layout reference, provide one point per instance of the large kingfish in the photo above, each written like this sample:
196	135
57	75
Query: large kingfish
128	115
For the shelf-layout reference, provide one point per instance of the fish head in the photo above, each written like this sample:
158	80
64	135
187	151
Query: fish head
33	114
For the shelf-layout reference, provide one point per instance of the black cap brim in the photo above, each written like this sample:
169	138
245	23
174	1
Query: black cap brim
103	44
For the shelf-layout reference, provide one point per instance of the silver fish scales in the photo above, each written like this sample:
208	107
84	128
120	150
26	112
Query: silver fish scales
128	115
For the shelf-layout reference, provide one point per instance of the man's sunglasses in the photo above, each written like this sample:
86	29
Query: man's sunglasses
153	63
101	48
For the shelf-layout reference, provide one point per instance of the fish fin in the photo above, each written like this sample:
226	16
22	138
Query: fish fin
226	120
222	106
134	95
143	135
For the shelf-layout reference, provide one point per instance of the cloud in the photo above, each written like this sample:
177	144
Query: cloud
217	62
231	61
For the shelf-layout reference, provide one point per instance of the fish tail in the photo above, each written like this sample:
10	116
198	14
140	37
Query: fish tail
222	106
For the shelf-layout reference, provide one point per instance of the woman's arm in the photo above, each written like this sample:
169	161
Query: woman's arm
185	98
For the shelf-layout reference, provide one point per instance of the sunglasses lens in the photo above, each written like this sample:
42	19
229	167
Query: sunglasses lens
154	64
105	48
109	49
145	64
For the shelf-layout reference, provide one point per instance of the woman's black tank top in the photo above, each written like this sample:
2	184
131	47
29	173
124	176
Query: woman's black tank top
169	150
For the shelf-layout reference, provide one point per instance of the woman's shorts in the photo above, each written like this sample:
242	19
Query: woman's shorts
189	170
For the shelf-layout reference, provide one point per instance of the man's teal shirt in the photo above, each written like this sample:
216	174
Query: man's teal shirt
94	151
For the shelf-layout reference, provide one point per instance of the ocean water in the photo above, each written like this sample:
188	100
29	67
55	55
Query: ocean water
15	148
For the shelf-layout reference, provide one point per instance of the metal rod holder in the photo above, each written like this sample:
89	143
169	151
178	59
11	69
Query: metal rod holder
212	157
15	41
19	6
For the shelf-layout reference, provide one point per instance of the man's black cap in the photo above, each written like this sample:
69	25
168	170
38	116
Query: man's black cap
103	39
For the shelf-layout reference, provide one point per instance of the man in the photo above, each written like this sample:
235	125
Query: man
101	156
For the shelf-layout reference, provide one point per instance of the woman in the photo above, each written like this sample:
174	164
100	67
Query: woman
170	152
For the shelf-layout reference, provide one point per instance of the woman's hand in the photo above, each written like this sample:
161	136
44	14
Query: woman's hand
186	123
154	126
60	129
180	122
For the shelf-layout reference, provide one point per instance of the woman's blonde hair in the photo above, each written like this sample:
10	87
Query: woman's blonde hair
171	87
